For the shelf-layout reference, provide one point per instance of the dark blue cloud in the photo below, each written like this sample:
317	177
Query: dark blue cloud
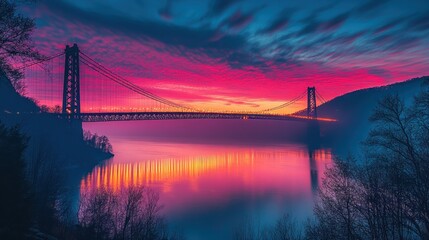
279	23
164	32
165	12
334	23
370	6
420	22
219	6
380	72
238	20
390	25
241	33
314	26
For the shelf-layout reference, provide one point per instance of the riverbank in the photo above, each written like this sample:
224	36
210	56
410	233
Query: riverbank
48	136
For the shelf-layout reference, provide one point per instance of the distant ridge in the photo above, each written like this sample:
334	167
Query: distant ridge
353	110
363	98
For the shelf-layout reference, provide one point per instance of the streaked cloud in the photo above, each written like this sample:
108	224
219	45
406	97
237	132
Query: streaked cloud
253	49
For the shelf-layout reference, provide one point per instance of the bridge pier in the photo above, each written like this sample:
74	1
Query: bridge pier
76	128
313	134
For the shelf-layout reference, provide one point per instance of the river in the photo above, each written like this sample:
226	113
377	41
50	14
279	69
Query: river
208	188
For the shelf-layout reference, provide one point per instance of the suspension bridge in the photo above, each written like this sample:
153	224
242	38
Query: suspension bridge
77	87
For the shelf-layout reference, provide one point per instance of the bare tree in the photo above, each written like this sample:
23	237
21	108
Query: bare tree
15	42
387	195
286	228
98	142
248	230
336	211
96	214
15	203
44	174
133	214
400	140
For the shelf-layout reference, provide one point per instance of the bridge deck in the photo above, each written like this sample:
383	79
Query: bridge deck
132	116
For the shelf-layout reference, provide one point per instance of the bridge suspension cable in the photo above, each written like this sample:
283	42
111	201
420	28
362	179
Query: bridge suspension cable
117	80
40	61
320	97
94	65
284	104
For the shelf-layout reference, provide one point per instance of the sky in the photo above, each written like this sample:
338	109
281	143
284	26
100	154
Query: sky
243	54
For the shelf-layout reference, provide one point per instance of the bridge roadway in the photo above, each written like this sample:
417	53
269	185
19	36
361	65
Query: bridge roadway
131	116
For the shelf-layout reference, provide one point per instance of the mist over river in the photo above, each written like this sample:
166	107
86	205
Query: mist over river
213	176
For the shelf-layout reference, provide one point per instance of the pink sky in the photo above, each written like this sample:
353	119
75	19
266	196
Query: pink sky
221	78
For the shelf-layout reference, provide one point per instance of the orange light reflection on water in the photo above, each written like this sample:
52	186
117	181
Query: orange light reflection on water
122	175
217	175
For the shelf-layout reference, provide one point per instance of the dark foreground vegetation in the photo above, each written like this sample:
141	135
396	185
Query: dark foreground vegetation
384	194
97	142
132	214
33	205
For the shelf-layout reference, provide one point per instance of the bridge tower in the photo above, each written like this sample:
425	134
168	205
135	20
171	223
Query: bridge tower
71	91
311	103
313	127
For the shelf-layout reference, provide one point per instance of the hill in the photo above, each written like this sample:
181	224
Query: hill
353	110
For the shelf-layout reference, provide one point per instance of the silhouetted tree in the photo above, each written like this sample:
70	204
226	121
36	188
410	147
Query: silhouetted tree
15	200
336	211
44	108
134	214
44	174
97	142
400	141
15	41
96	214
285	228
386	196
248	230
56	109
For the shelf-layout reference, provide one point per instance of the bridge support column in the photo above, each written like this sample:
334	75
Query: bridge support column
71	90
313	134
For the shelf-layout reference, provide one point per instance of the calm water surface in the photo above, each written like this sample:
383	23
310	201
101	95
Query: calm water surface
207	190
